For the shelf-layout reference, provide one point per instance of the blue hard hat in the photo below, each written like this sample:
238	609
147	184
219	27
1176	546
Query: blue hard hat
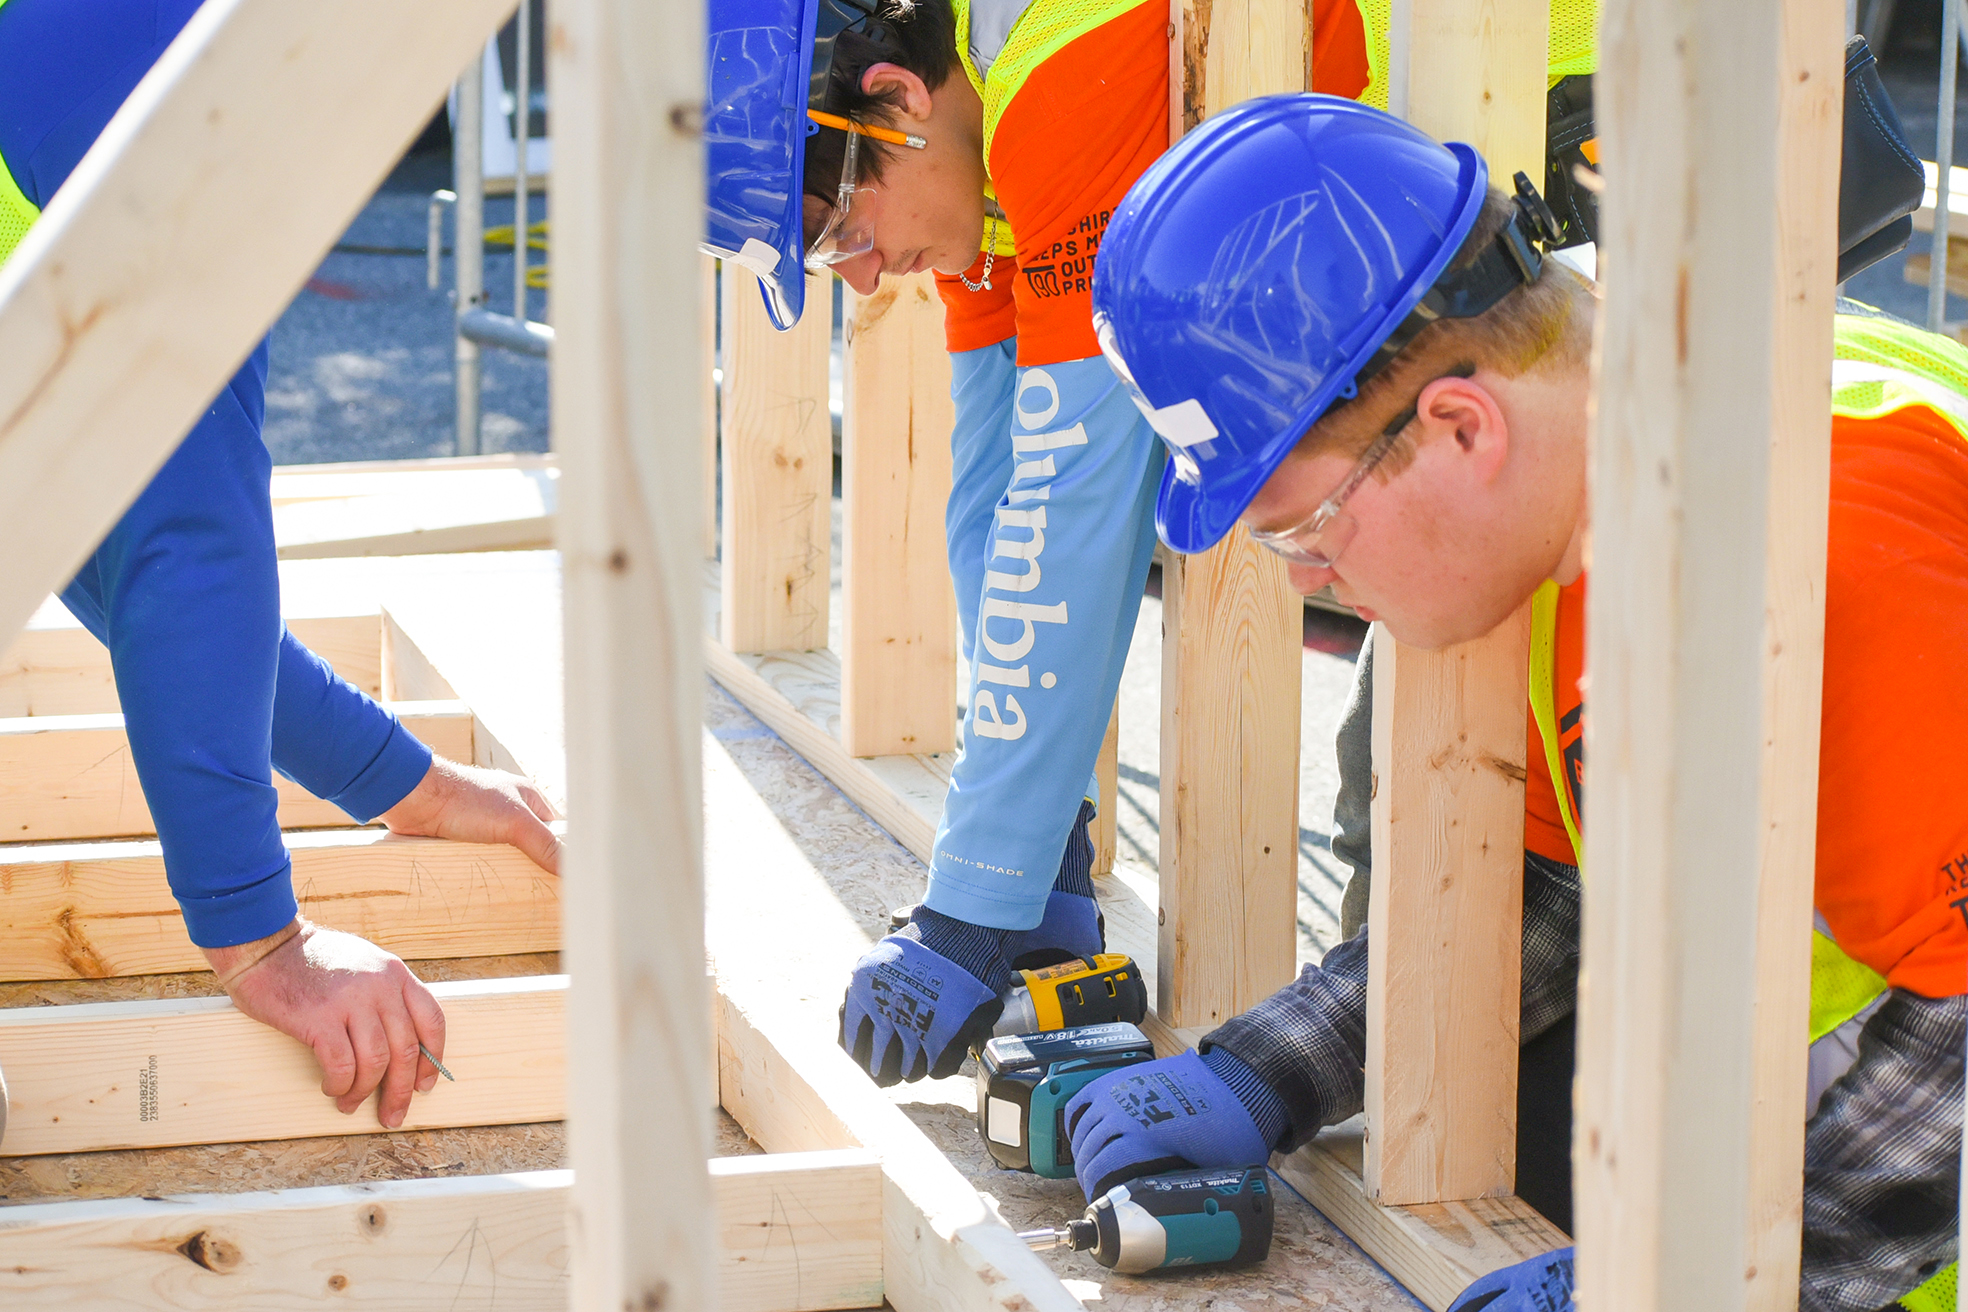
769	62
1259	271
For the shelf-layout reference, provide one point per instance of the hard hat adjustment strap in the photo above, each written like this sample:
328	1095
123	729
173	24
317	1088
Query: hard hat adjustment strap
1512	259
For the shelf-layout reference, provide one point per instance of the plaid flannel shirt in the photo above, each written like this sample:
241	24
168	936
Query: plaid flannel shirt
1882	1155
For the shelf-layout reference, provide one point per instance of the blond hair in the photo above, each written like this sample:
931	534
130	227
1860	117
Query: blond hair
1543	325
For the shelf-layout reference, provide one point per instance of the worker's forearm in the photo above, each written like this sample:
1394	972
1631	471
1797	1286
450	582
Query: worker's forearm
333	740
1062	573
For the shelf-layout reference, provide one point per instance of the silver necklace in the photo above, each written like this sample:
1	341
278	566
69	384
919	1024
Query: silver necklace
990	257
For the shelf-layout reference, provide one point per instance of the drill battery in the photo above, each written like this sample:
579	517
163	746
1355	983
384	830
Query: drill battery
1025	1080
1078	992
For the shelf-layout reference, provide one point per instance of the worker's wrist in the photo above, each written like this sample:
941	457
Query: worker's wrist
229	963
977	949
1266	1108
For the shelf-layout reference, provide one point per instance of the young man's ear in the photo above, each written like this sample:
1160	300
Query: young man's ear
899	87
1465	412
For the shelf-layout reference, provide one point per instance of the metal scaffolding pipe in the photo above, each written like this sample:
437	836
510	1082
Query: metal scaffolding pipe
1937	267
522	135
468	273
505	333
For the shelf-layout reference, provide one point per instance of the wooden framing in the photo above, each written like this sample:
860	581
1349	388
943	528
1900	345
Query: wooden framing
898	609
796	1232
195	1070
65	671
1446	909
67	777
1231	632
628	78
92	910
1705	626
778	472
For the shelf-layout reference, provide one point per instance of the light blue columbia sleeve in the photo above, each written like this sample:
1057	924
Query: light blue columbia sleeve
1053	575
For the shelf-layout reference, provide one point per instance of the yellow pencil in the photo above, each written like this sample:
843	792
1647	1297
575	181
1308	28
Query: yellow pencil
879	134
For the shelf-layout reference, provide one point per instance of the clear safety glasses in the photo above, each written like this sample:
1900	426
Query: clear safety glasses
846	228
1320	538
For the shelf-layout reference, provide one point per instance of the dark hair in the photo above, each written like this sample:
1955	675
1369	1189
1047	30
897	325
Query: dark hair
919	35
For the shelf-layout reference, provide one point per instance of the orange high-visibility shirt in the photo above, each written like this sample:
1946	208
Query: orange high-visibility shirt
1892	858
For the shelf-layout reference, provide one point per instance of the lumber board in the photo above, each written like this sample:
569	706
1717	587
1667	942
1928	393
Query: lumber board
475	510
1231	670
153	1074
1107	769
783	1077
408	674
1449	745
898	607
201	209
1809	143
796	1232
1445	917
67	777
94	910
707	397
291	483
778	471
1434	1249
63	670
1703	566
798	695
1230	651
628	79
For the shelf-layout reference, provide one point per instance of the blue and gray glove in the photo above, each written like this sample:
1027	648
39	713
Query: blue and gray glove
1543	1284
922	996
1180	1112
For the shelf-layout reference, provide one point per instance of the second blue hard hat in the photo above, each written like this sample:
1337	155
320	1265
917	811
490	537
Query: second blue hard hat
1254	271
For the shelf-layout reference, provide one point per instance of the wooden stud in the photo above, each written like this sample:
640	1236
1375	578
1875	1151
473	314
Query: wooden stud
68	777
1449	748
196	216
1810	104
1107	769
1445	918
628	78
151	1074
1704	625
796	1232
65	671
1230	685
898	609
707	397
1230	652
88	911
778	472
408	674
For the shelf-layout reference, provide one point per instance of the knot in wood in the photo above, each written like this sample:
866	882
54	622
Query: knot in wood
205	1249
652	1299
338	1282
374	1219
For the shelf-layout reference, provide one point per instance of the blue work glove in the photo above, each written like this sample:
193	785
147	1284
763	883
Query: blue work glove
1166	1115
913	1011
1543	1284
1073	926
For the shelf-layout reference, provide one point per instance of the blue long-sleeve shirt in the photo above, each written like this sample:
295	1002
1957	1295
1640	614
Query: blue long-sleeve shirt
185	591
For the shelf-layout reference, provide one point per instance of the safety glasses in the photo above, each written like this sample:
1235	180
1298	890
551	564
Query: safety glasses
1319	539
846	228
